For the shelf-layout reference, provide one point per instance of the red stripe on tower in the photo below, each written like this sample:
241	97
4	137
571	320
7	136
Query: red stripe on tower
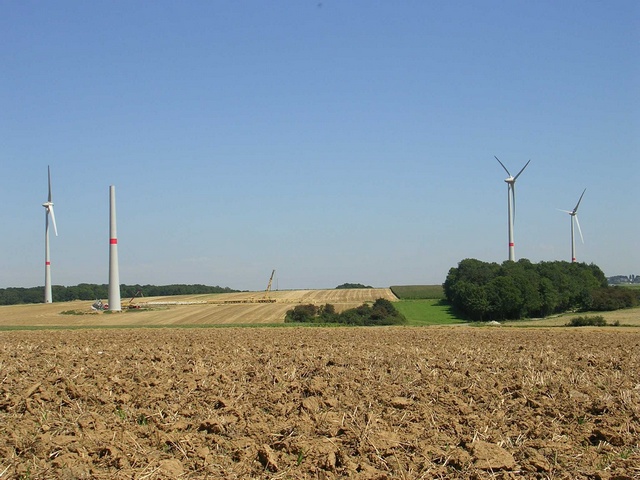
511	244
113	241
47	263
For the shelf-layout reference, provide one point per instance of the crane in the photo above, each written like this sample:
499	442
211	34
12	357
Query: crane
131	304
266	292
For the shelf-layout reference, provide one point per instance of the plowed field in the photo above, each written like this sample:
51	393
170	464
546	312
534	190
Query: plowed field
320	403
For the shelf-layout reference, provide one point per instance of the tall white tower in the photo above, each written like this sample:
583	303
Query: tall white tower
48	205
511	202
114	274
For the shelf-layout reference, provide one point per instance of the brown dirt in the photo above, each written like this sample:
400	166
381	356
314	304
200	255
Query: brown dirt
320	403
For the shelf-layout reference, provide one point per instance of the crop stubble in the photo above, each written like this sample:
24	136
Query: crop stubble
161	313
368	403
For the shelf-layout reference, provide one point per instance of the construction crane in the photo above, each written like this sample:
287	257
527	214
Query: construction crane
266	292
131	304
266	298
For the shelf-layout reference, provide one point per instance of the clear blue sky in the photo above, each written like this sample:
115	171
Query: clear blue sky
335	141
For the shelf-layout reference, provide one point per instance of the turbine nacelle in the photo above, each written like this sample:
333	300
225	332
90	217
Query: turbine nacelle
511	178
511	181
49	207
572	213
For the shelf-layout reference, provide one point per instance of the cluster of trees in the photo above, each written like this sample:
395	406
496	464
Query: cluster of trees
614	298
382	312
353	285
489	291
90	291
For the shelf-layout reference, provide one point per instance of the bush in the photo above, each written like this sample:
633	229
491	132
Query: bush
586	321
301	314
382	312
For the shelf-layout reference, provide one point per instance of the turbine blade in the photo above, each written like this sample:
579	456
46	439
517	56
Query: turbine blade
579	230
578	204
525	166
565	211
505	168
49	177
53	219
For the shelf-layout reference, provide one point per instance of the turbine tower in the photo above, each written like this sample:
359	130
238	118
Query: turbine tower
48	205
574	216
114	274
511	203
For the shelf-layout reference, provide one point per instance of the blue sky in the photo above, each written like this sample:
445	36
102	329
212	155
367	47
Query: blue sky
333	141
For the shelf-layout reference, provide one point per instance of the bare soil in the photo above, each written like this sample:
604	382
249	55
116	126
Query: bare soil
320	403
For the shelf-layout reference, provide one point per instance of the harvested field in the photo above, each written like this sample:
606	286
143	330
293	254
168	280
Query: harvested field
320	403
627	317
189	309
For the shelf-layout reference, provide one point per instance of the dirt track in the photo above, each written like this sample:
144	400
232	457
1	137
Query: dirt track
320	403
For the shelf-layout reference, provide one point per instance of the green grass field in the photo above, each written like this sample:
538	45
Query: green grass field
426	312
418	292
421	305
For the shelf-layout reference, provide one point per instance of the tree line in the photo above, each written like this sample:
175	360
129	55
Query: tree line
382	312
91	291
352	285
484	291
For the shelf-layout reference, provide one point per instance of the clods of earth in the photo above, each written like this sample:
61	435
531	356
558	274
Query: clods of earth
320	403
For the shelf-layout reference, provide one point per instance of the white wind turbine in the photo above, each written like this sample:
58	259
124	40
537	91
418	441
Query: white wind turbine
511	202
574	216
48	205
115	303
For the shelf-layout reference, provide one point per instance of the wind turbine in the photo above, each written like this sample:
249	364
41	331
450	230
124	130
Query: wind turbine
574	216
48	205
511	202
114	272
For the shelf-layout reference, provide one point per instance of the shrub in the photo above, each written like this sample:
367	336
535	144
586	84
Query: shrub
382	312
586	321
301	314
